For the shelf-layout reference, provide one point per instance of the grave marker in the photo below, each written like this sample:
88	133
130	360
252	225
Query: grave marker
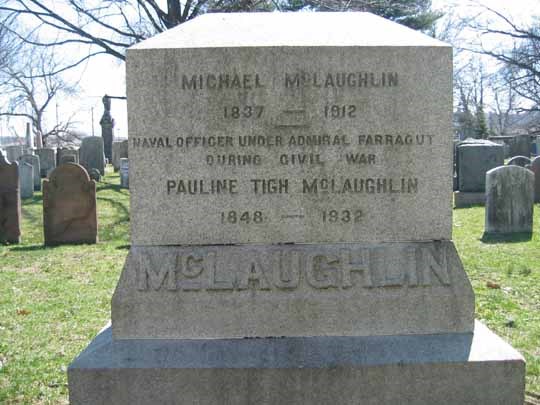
26	173
10	202
91	154
34	161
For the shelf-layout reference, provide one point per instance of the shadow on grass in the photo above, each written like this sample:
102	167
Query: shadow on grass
124	213
506	237
31	248
123	247
110	186
464	207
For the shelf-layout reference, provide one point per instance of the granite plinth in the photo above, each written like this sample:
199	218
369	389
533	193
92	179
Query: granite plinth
478	369
292	290
464	199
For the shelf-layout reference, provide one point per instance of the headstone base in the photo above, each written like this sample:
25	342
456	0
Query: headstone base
476	368
464	199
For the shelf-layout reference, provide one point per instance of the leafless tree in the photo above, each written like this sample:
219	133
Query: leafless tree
29	87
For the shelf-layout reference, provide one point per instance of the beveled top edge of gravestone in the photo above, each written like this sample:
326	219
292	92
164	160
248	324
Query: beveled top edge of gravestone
274	29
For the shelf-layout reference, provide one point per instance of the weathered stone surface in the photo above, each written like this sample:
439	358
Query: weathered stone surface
69	206
62	152
535	167
293	113
509	200
68	159
26	173
475	158
292	290
442	369
107	125
34	161
521	146
119	151
91	154
124	172
10	202
521	161
47	160
14	152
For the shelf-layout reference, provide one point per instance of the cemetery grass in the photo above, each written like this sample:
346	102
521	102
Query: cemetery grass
53	301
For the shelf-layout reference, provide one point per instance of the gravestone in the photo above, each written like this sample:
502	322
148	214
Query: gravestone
474	158
69	206
509	200
91	154
521	146
47	160
119	151
284	190
519	161
14	152
34	161
10	202
95	175
26	176
68	159
29	137
535	167
124	173
62	152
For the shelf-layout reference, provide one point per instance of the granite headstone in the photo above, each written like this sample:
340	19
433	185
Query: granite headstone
284	189
509	200
26	177
124	173
91	154
119	151
521	161
47	160
535	167
34	161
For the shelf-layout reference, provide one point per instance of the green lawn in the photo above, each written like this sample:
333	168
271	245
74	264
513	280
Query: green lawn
54	300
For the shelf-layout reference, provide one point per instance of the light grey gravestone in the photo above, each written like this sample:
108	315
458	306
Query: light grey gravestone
47	160
69	206
10	202
119	151
29	137
14	152
91	154
474	158
124	173
509	200
271	201
521	161
535	167
34	161
26	173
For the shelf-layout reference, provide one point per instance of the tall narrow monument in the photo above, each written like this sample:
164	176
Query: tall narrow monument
107	126
290	180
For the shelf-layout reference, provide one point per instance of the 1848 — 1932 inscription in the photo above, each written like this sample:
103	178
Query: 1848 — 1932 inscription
271	145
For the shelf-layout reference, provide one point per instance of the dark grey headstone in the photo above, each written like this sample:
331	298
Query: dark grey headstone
95	174
535	167
509	200
10	202
521	146
91	154
474	159
47	160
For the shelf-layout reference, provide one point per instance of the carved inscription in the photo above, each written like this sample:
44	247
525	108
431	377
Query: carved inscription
366	268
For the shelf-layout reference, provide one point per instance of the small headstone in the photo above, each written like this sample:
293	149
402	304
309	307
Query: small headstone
509	200
10	202
47	160
26	173
521	146
91	154
34	161
14	152
29	137
95	175
124	173
519	161
119	151
68	159
69	206
535	167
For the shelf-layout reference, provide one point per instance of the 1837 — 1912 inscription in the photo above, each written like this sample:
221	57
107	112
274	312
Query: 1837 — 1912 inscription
326	146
